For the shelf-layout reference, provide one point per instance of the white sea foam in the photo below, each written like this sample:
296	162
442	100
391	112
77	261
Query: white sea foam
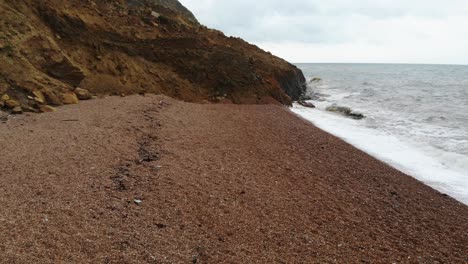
442	170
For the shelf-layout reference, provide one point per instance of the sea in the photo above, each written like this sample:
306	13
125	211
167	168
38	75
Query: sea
416	116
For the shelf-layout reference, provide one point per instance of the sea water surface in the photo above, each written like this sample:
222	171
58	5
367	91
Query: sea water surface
416	116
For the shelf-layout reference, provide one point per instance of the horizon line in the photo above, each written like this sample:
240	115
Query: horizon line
385	63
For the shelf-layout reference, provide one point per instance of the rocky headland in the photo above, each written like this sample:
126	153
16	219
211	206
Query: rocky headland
49	48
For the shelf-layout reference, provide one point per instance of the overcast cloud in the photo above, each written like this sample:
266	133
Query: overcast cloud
391	31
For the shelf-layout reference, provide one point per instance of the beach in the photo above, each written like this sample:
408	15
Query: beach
149	179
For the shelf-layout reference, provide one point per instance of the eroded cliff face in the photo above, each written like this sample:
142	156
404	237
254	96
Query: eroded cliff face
48	48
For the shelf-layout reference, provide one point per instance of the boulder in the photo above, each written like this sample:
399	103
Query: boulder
17	110
47	109
339	109
39	96
52	97
356	115
83	94
70	98
10	104
5	97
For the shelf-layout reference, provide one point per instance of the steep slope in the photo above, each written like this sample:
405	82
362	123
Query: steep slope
50	47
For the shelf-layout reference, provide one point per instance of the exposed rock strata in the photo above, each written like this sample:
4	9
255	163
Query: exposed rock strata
51	47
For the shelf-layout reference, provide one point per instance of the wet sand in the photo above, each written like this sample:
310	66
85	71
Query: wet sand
153	180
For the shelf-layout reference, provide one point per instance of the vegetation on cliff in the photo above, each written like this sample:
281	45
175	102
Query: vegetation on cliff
49	48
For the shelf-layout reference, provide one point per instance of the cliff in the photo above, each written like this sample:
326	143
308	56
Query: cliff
48	48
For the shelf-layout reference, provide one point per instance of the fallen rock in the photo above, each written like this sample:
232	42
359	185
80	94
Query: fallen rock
17	110
83	94
155	14
10	104
70	98
138	202
39	97
306	104
52	98
47	109
5	97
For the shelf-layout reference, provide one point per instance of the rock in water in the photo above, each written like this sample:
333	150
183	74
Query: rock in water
346	111
315	80
306	104
357	115
83	94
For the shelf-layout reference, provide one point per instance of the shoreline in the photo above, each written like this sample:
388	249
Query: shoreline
408	159
151	179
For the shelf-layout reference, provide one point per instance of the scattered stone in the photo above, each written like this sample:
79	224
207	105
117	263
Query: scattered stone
10	104
5	97
39	100
39	97
306	104
30	109
47	109
2	104
3	117
83	94
155	14
17	110
161	226
138	202
70	98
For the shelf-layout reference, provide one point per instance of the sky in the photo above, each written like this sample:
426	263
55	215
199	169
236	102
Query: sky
363	31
